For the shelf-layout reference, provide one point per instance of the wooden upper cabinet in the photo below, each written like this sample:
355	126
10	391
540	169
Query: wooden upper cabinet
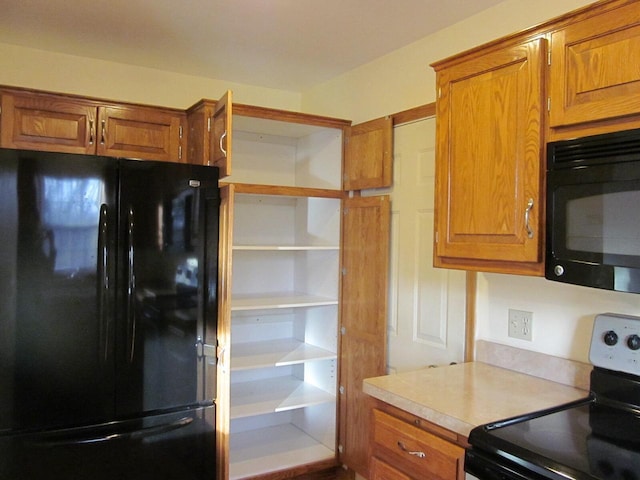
139	132
369	154
42	122
210	133
489	163
594	68
59	123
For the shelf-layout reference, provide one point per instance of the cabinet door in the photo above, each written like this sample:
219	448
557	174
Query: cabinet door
489	165
140	132
47	122
369	155
223	373
365	262
221	140
594	68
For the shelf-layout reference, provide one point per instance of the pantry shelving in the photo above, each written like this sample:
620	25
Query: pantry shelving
284	294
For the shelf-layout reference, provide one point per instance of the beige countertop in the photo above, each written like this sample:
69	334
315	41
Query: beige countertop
463	396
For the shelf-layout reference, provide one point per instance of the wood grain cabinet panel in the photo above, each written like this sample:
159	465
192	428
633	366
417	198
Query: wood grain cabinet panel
489	163
210	133
380	470
413	451
139	132
39	122
368	162
67	124
594	68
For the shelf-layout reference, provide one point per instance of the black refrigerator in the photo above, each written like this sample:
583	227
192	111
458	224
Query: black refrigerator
108	276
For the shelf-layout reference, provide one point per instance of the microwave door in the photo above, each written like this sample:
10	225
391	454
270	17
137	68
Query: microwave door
593	227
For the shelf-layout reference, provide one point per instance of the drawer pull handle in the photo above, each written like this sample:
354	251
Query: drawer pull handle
410	452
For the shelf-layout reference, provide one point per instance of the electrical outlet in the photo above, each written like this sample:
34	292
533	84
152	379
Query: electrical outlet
520	324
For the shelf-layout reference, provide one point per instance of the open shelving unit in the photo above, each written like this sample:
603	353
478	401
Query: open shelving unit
284	294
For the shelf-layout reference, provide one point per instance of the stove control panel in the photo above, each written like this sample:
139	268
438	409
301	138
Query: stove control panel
615	343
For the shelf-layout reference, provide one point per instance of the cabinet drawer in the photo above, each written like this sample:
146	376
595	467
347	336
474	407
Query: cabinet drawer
419	453
380	470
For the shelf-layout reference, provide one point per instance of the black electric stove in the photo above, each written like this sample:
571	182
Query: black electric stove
594	438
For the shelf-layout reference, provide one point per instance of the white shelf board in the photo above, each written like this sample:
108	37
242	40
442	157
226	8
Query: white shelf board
274	395
278	128
276	353
291	300
273	448
277	248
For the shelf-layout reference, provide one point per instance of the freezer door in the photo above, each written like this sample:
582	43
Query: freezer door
57	229
165	291
172	446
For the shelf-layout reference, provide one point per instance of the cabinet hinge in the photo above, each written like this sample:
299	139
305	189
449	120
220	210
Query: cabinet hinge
180	152
343	271
549	57
208	124
180	132
437	237
341	390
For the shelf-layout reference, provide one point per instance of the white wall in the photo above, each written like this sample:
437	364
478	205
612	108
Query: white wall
563	314
31	68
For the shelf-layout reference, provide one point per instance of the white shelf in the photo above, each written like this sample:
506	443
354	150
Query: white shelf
276	248
276	353
290	300
273	448
274	395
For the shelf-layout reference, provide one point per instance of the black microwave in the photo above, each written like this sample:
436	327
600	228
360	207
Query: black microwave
593	211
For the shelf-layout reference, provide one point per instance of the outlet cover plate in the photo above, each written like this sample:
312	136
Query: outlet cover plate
521	324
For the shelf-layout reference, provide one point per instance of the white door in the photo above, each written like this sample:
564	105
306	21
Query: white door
427	305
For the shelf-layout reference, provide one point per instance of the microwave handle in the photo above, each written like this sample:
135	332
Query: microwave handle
526	218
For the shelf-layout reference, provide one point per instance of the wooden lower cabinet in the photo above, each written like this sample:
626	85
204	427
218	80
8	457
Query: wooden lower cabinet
383	471
406	447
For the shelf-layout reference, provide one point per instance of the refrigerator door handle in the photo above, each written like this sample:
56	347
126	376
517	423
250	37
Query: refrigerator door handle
133	434
103	285
131	288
